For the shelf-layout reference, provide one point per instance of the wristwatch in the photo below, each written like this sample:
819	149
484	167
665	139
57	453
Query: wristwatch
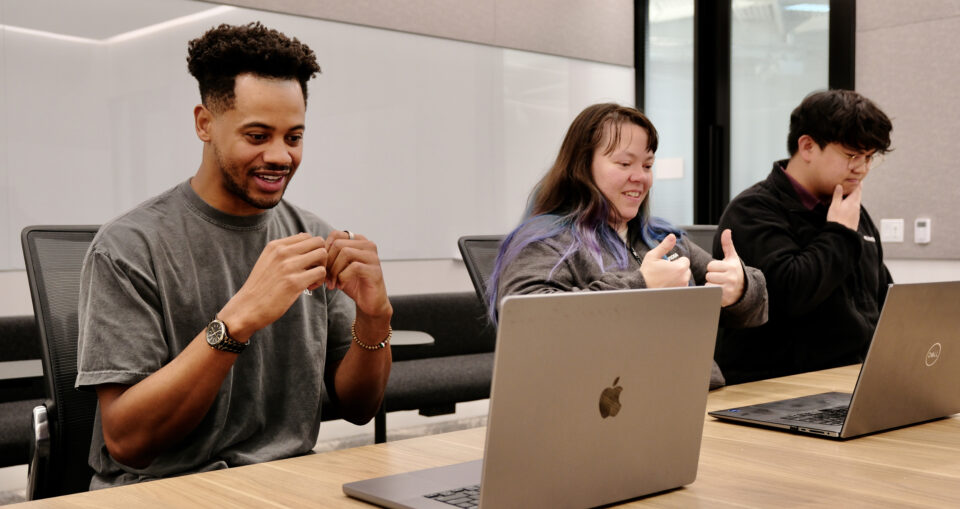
219	339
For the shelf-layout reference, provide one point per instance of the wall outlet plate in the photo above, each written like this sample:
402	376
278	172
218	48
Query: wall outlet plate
891	230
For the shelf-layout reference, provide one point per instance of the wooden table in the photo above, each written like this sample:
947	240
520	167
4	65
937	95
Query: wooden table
740	466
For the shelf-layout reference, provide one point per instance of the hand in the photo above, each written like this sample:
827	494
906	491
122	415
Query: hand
727	273
846	211
286	267
659	272
353	266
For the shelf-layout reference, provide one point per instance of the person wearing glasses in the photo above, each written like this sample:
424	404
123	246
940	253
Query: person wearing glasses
806	229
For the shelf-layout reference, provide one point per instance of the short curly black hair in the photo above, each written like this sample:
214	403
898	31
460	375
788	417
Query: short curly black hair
222	53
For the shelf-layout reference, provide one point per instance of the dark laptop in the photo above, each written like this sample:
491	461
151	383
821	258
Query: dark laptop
911	373
597	397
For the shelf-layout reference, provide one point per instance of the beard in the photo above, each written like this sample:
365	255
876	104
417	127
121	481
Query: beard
236	183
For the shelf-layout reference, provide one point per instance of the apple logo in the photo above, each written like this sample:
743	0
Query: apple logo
610	400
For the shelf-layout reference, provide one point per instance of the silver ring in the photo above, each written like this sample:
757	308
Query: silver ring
349	233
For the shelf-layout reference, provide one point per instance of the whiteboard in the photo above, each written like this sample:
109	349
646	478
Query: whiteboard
411	140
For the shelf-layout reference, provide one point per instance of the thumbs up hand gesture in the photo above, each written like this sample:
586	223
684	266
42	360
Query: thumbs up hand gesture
658	272
728	272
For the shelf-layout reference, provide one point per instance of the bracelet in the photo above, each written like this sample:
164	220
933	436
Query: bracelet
378	346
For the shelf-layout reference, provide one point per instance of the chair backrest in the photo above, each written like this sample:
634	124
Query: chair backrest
54	256
479	254
701	235
21	386
19	347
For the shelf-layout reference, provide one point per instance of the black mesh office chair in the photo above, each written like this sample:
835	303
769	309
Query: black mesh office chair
63	425
701	235
479	254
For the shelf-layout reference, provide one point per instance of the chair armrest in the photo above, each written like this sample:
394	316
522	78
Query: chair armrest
411	338
456	321
37	475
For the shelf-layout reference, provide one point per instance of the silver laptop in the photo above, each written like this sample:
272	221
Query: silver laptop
911	373
597	397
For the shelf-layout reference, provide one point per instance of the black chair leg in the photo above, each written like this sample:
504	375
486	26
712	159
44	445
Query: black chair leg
380	425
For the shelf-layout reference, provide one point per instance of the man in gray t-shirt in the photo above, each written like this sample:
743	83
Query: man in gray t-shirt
210	314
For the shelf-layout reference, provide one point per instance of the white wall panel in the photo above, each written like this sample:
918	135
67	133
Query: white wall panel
411	140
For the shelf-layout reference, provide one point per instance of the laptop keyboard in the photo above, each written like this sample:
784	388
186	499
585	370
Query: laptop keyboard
829	416
468	496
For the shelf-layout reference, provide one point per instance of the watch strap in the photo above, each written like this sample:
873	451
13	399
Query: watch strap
229	344
226	343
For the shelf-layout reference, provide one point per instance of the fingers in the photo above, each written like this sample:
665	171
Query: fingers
836	202
338	235
727	282
660	273
718	277
663	248
297	251
845	211
343	251
356	272
292	239
726	242
337	240
305	259
314	277
345	257
290	255
726	273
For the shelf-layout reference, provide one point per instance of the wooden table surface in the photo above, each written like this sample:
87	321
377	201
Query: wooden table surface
740	466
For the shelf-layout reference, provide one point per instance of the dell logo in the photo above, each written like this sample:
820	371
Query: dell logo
933	355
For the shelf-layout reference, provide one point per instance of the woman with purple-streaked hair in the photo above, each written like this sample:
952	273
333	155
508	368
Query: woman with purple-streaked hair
588	226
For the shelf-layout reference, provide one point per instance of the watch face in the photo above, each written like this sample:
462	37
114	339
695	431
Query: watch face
215	332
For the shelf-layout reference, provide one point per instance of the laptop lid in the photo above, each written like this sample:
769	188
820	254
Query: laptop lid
911	373
597	397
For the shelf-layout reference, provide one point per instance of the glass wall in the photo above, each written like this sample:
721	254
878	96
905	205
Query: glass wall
779	54
669	104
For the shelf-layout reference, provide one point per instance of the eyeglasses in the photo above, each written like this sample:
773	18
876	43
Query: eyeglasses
859	159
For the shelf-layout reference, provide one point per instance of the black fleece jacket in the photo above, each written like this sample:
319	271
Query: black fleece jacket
826	284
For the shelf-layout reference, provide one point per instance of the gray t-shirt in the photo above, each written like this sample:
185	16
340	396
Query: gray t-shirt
154	278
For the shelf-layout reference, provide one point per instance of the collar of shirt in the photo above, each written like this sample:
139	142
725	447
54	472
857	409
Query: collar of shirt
807	199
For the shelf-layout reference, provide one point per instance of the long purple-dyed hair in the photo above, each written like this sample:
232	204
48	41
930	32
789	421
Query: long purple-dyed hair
568	200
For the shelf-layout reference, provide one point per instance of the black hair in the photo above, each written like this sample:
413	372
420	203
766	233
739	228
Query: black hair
216	58
840	116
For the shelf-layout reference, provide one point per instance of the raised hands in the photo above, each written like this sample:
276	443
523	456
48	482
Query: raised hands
728	272
286	267
290	265
353	266
846	211
658	272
